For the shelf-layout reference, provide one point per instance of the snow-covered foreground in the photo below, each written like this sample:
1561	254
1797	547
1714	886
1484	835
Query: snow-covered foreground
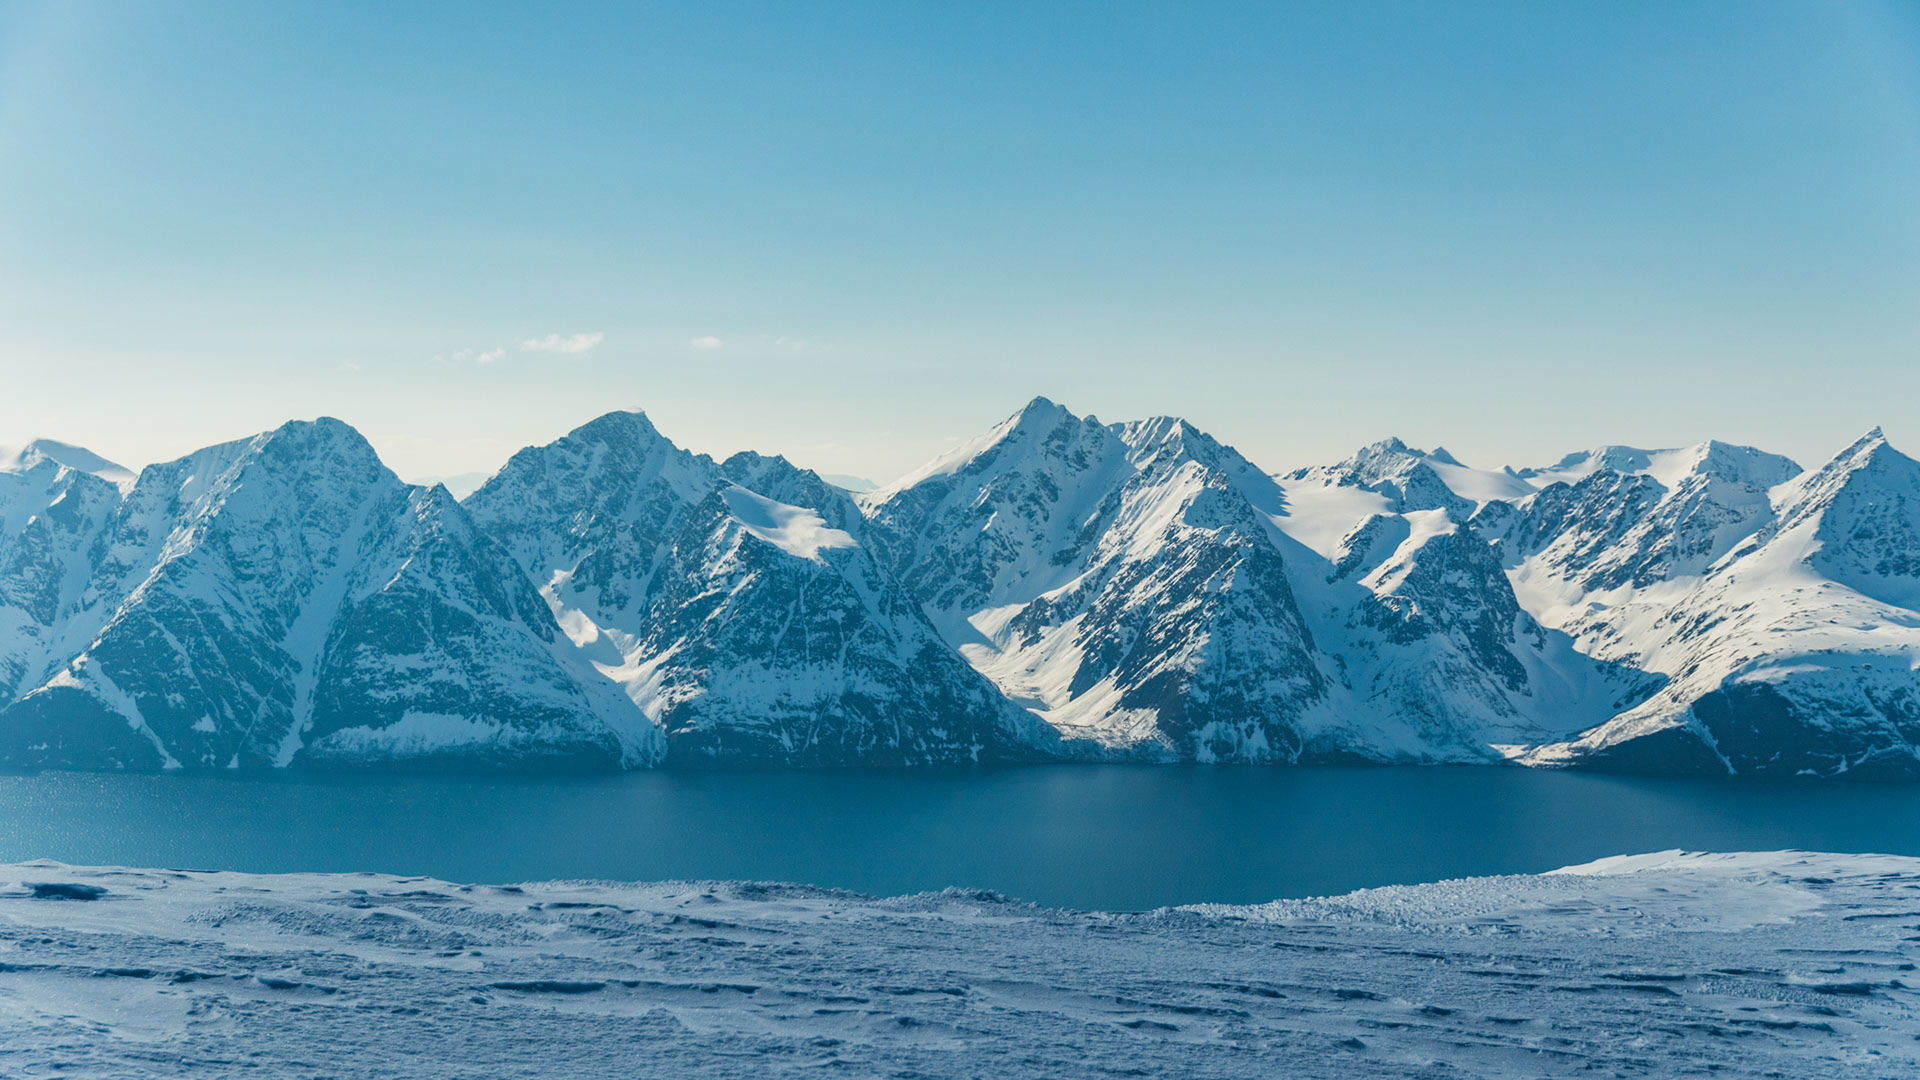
1786	963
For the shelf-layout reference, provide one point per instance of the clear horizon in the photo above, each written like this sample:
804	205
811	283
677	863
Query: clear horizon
858	237
13	445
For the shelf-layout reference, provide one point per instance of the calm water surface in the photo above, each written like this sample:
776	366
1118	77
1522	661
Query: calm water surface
1080	836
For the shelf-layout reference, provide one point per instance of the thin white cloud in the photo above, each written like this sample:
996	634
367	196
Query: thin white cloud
571	344
490	356
706	344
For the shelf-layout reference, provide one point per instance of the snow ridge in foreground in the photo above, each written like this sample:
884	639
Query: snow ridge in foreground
1788	963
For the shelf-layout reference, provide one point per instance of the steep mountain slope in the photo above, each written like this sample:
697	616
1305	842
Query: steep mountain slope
1660	515
1436	637
738	606
1795	653
51	515
286	600
1111	580
1143	585
1057	587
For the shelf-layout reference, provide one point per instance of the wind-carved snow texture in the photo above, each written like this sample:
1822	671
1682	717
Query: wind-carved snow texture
1056	588
1771	964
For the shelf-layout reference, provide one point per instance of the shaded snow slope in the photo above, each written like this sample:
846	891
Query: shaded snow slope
1770	613
1795	653
1056	587
736	605
1145	587
285	599
51	517
1761	964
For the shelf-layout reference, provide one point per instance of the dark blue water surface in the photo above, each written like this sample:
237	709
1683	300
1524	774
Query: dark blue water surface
1081	836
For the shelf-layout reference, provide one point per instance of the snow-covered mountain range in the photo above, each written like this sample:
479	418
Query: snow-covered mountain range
1056	588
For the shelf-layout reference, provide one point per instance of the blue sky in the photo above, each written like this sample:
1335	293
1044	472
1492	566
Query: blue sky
858	233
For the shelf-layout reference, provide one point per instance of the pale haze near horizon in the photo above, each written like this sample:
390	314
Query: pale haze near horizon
859	236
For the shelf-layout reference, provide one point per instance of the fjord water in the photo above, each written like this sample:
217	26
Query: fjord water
1106	837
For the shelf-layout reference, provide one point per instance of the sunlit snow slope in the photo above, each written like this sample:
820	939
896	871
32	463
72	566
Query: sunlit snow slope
1057	587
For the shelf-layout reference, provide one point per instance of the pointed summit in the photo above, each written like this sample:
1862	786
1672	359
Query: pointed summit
619	425
1870	452
613	487
1171	440
1866	446
1855	520
1039	423
1038	416
627	435
1405	476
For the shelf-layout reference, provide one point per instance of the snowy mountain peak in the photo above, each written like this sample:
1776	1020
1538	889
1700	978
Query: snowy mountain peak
1034	428
1712	461
1056	586
1174	438
1035	420
1867	449
1732	461
323	434
1670	468
1582	463
755	463
602	470
1869	461
1408	479
621	426
1040	414
1863	508
65	455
